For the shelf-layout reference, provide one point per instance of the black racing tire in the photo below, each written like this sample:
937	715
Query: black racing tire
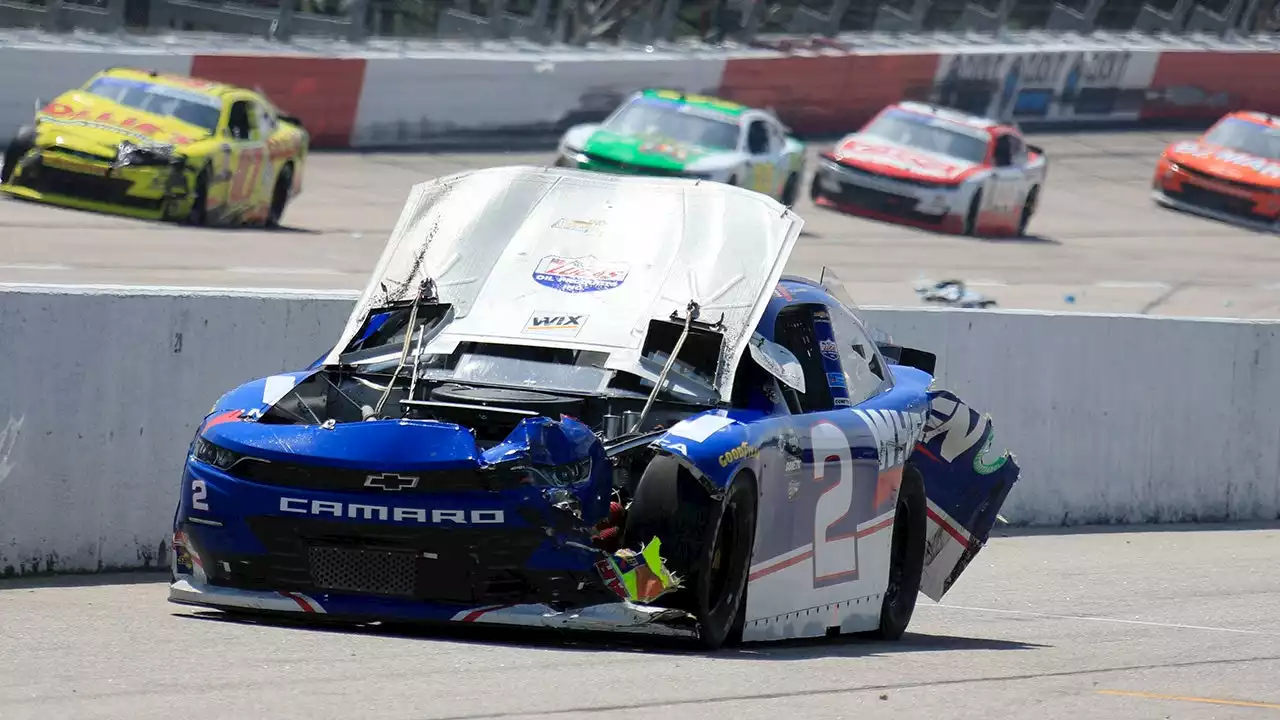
22	142
1028	210
198	215
815	188
707	543
971	215
906	558
280	196
791	190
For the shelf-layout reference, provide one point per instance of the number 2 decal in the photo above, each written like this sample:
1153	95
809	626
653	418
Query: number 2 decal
835	560
245	180
199	491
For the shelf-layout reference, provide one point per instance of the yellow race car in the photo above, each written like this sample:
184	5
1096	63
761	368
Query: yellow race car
160	147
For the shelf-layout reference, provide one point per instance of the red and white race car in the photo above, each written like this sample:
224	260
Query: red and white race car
935	168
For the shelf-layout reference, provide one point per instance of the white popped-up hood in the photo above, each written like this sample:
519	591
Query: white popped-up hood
575	259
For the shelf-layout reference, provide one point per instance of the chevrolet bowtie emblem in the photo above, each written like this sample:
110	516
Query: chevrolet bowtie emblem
391	481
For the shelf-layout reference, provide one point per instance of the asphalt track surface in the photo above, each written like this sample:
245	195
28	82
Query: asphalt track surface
1179	623
1100	244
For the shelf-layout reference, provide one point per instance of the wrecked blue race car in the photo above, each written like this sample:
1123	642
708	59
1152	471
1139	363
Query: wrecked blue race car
575	400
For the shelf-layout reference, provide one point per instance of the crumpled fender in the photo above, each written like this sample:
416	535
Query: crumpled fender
965	486
405	445
256	396
715	445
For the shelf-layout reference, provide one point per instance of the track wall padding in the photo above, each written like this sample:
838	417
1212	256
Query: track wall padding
1114	419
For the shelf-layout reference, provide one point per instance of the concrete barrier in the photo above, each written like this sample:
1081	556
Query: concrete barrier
389	99
1115	419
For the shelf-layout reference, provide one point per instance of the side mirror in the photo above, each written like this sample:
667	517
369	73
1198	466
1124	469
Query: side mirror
777	361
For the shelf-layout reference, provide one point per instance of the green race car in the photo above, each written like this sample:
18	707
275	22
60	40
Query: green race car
670	133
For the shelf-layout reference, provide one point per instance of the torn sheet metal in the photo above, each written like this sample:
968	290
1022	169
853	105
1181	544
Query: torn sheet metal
638	577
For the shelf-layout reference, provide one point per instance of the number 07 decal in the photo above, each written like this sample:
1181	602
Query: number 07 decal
835	559
245	180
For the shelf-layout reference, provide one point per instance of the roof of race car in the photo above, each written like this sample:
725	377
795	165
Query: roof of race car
1253	116
184	82
705	103
509	245
983	125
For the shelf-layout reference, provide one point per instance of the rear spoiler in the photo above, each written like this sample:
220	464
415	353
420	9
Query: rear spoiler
1038	150
909	357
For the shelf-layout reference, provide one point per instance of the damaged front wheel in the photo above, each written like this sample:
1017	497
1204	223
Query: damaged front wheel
707	542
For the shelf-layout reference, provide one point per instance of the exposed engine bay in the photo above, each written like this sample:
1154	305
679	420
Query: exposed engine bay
492	389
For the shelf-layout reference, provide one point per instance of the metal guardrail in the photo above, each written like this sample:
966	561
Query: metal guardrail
583	22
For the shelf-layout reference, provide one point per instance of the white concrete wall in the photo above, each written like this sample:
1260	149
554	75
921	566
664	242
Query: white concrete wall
1117	418
31	74
1113	418
408	100
99	398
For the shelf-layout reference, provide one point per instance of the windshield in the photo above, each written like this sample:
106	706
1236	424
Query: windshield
192	108
1245	136
649	118
930	134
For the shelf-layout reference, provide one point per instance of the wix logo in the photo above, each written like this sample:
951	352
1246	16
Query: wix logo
558	323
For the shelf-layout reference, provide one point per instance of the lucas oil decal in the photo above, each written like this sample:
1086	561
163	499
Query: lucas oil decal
580	274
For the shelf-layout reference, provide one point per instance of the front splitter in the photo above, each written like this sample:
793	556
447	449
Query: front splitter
623	617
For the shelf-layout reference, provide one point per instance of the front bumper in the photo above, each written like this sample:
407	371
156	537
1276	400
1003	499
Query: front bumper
1233	202
83	183
882	198
619	616
440	552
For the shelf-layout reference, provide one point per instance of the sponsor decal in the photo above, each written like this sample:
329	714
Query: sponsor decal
559	323
820	315
950	419
129	125
779	291
589	227
609	574
740	452
671	150
579	274
1265	168
896	433
393	482
906	159
358	511
829	349
1045	85
224	417
836	380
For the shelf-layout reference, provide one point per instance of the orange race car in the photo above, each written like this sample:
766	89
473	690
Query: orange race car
1230	173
